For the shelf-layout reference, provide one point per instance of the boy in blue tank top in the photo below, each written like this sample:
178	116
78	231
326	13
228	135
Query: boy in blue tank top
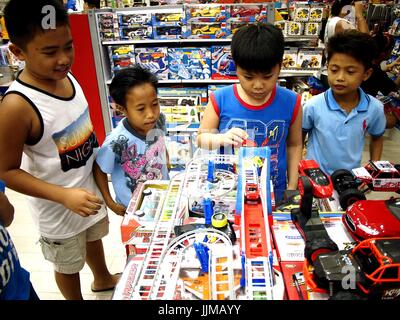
14	280
257	108
337	120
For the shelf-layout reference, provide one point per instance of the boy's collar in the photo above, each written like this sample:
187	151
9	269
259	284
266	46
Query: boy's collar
360	107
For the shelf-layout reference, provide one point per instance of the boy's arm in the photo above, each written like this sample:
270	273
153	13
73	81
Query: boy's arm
208	136
18	125
102	182
375	148
362	24
294	147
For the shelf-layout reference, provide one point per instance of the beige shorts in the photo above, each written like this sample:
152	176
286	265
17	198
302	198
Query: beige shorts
69	255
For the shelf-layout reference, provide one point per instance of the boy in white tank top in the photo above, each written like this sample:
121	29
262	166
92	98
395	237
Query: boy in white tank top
44	121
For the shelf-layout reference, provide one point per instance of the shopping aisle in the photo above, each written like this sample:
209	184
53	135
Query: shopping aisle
25	237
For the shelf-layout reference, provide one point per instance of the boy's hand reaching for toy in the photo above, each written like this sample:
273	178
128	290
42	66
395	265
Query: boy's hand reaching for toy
81	201
234	136
118	208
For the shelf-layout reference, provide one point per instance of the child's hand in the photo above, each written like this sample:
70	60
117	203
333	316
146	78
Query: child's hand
234	137
81	201
118	208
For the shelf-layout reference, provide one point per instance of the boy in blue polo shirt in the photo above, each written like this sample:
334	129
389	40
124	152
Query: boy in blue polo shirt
337	120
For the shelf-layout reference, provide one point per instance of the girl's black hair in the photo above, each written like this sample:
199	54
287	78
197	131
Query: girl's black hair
128	78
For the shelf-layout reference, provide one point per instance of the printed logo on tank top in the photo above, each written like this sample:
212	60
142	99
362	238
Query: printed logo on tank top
8	258
75	143
270	134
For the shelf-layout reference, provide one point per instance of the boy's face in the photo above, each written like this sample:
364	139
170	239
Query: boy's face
258	85
142	108
345	74
49	55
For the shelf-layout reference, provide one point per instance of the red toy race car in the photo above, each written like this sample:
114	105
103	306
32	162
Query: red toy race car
245	12
373	218
321	182
379	176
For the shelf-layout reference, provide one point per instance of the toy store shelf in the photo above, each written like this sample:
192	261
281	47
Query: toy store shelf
158	41
193	81
300	38
300	73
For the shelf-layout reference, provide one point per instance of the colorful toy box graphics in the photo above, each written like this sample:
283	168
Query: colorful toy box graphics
154	59
289	58
311	28
206	12
121	57
223	66
136	33
309	58
206	30
173	17
108	26
189	63
316	13
293	28
134	19
168	32
302	13
247	12
233	25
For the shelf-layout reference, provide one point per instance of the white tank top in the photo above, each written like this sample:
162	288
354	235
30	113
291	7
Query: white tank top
329	32
63	155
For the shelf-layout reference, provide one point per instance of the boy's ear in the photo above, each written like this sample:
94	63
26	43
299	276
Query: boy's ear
120	108
17	51
367	74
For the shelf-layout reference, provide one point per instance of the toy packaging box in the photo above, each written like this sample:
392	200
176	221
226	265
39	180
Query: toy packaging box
289	58
108	26
309	58
136	32
206	12
294	28
168	32
311	28
121	57
247	12
155	59
134	19
189	63
206	30
223	66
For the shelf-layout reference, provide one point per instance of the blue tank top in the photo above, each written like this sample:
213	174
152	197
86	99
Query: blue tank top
268	124
14	280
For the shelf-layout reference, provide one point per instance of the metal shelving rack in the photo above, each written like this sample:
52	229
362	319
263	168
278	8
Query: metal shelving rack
103	68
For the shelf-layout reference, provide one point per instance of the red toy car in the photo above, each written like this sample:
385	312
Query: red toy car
373	218
379	176
245	12
321	182
252	194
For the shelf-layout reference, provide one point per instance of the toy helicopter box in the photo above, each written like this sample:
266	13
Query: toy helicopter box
143	208
223	66
189	63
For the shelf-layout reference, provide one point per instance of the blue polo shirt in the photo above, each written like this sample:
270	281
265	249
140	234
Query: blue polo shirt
336	138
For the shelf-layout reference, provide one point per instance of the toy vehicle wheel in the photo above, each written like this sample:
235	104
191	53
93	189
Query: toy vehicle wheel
338	176
318	246
349	196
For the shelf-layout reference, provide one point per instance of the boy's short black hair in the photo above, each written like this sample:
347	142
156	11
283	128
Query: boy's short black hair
258	47
354	43
128	78
24	18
